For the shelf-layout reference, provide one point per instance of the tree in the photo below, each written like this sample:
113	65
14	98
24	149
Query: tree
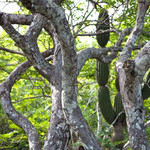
66	65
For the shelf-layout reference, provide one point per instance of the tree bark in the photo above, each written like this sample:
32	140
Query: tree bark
70	106
118	134
130	79
135	113
99	118
59	132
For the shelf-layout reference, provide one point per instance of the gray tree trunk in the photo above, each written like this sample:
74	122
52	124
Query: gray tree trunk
58	134
131	72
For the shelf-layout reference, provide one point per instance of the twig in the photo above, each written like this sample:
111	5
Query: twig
31	98
11	51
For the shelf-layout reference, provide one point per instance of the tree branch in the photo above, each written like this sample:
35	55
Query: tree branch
98	54
142	63
29	46
136	32
69	69
17	118
122	35
97	33
20	19
14	116
11	51
53	11
35	28
31	98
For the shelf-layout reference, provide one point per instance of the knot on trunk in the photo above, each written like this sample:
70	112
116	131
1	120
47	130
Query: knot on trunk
129	67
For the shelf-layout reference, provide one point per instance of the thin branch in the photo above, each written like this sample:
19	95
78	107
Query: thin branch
1	68
136	32
17	118
31	98
81	23
11	51
99	32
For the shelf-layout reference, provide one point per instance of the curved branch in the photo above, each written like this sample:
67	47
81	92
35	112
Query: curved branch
29	46
25	20
14	116
136	32
9	109
57	16
98	54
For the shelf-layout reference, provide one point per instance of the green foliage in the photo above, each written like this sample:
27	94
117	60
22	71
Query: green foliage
32	101
104	138
87	95
30	97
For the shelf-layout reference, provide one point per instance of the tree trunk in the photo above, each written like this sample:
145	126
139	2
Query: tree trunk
134	109
58	133
118	135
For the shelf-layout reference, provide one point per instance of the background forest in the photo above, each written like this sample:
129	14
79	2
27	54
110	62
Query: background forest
31	94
